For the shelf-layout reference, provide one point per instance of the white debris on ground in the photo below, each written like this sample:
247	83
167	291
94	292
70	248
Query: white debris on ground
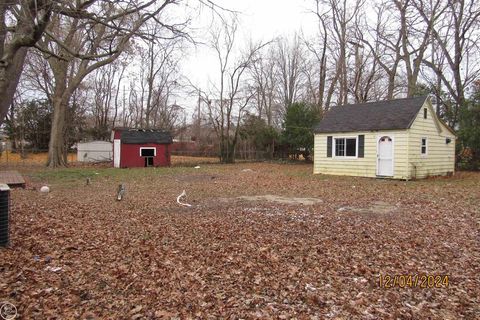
310	287
197	167
45	189
53	269
247	170
183	194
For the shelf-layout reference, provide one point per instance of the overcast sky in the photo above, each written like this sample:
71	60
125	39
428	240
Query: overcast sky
260	20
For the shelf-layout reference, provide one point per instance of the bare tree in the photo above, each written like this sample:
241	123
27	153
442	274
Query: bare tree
105	105
159	77
264	85
21	25
415	39
365	74
336	21
76	46
455	29
384	41
37	76
289	60
316	68
343	16
232	96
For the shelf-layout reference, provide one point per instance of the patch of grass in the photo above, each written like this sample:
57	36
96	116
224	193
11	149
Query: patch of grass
74	175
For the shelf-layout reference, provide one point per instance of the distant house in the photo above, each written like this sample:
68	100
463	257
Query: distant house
400	139
140	148
94	151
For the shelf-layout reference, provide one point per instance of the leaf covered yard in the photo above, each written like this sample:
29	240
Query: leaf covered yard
250	247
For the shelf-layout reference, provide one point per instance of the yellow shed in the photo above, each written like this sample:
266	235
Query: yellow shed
399	139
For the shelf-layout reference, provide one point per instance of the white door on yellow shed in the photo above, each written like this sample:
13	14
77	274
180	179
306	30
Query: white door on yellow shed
385	156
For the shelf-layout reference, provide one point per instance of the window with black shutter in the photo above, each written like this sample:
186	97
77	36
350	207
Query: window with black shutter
329	146
361	146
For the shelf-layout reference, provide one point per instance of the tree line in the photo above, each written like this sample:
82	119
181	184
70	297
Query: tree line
119	64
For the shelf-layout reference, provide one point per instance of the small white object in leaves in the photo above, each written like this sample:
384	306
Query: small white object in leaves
183	194
45	189
310	287
197	167
53	269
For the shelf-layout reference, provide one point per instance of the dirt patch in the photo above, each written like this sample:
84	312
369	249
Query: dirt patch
283	200
377	207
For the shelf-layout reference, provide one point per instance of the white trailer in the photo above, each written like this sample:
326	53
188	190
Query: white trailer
94	151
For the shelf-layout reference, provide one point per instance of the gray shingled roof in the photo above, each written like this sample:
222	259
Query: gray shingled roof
131	136
382	115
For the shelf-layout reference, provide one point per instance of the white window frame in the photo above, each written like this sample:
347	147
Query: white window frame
426	147
148	148
334	146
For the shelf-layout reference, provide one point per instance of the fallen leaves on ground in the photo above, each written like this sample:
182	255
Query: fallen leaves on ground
76	252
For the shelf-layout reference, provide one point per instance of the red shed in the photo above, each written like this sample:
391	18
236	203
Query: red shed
141	148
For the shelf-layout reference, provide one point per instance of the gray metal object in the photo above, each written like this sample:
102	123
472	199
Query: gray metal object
4	215
120	192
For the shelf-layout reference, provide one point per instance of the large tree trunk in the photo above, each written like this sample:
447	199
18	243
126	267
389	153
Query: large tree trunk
28	22
391	84
56	146
10	72
60	100
227	152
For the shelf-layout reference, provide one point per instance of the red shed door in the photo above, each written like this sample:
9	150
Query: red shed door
148	153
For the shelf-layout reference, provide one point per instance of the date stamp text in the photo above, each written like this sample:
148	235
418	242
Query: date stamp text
413	281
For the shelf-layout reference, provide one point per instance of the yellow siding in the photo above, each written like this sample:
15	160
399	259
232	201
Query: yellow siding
408	161
440	157
367	166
